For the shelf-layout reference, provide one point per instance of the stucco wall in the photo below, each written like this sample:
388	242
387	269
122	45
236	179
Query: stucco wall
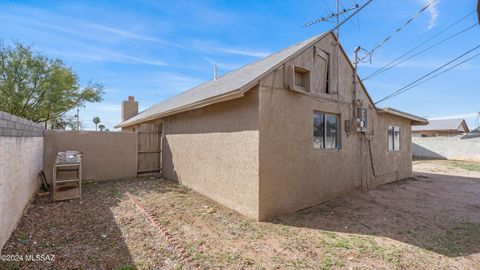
106	155
447	148
21	157
214	151
294	175
388	165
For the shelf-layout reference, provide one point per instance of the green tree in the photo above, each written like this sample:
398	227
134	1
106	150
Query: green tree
96	121
101	127
38	88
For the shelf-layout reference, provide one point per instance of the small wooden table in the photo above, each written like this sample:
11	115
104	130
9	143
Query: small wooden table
68	161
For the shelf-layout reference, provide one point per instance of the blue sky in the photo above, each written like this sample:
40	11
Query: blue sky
155	49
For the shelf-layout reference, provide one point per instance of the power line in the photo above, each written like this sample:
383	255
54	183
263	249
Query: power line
438	74
343	8
380	70
351	15
385	40
426	75
324	19
394	63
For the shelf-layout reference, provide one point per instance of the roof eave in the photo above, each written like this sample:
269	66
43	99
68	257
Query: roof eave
225	97
416	120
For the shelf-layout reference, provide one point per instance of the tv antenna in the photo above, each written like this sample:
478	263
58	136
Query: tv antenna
335	15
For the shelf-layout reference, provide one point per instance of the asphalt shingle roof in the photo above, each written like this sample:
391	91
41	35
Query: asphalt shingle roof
444	124
227	84
233	84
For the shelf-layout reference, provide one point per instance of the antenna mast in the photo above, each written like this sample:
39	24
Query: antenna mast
338	19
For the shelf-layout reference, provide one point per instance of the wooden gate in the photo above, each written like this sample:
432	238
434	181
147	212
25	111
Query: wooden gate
149	150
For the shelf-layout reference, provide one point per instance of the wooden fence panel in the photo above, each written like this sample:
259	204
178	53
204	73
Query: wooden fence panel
149	149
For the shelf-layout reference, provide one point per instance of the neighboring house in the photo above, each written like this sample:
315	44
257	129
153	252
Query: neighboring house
444	127
281	134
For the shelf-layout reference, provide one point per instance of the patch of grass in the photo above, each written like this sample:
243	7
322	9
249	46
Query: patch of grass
128	267
284	231
300	263
330	262
460	240
342	243
466	165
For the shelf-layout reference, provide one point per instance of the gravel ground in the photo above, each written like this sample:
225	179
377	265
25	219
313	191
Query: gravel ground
430	221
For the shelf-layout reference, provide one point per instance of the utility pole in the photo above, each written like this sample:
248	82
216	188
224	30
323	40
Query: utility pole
338	19
478	11
78	118
355	74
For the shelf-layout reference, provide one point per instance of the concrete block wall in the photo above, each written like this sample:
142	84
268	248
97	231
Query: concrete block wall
21	158
14	126
457	148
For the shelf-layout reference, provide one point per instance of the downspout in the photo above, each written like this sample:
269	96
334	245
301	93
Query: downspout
354	110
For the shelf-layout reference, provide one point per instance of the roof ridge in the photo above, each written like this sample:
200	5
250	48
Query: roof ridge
225	85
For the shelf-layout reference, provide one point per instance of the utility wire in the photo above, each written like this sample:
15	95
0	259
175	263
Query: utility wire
401	27
392	63
351	15
426	75
324	19
344	9
358	9
438	74
418	53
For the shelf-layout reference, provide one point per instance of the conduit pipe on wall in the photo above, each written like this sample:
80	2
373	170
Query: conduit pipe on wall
373	165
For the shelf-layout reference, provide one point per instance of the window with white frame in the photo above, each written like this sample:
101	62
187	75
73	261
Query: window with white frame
393	138
326	131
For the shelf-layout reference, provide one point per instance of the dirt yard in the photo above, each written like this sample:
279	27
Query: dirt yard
430	221
449	167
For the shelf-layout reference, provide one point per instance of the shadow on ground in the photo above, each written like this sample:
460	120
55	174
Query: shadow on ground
80	235
436	212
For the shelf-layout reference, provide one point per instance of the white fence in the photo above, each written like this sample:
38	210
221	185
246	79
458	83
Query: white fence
458	148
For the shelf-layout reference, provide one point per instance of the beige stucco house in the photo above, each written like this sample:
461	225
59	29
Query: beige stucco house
281	134
441	127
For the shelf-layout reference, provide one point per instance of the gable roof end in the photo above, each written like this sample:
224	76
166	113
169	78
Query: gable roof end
229	86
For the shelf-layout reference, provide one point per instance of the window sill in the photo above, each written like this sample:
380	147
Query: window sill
324	96
327	149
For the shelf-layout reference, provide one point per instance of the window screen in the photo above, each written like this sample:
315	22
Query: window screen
325	131
331	134
393	138
318	130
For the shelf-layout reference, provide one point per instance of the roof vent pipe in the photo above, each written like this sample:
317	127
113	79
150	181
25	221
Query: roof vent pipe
214	72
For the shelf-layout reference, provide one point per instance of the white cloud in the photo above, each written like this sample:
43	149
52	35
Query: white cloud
433	11
88	53
465	115
129	34
251	53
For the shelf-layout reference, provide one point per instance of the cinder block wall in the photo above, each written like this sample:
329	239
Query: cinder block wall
457	148
106	155
21	158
